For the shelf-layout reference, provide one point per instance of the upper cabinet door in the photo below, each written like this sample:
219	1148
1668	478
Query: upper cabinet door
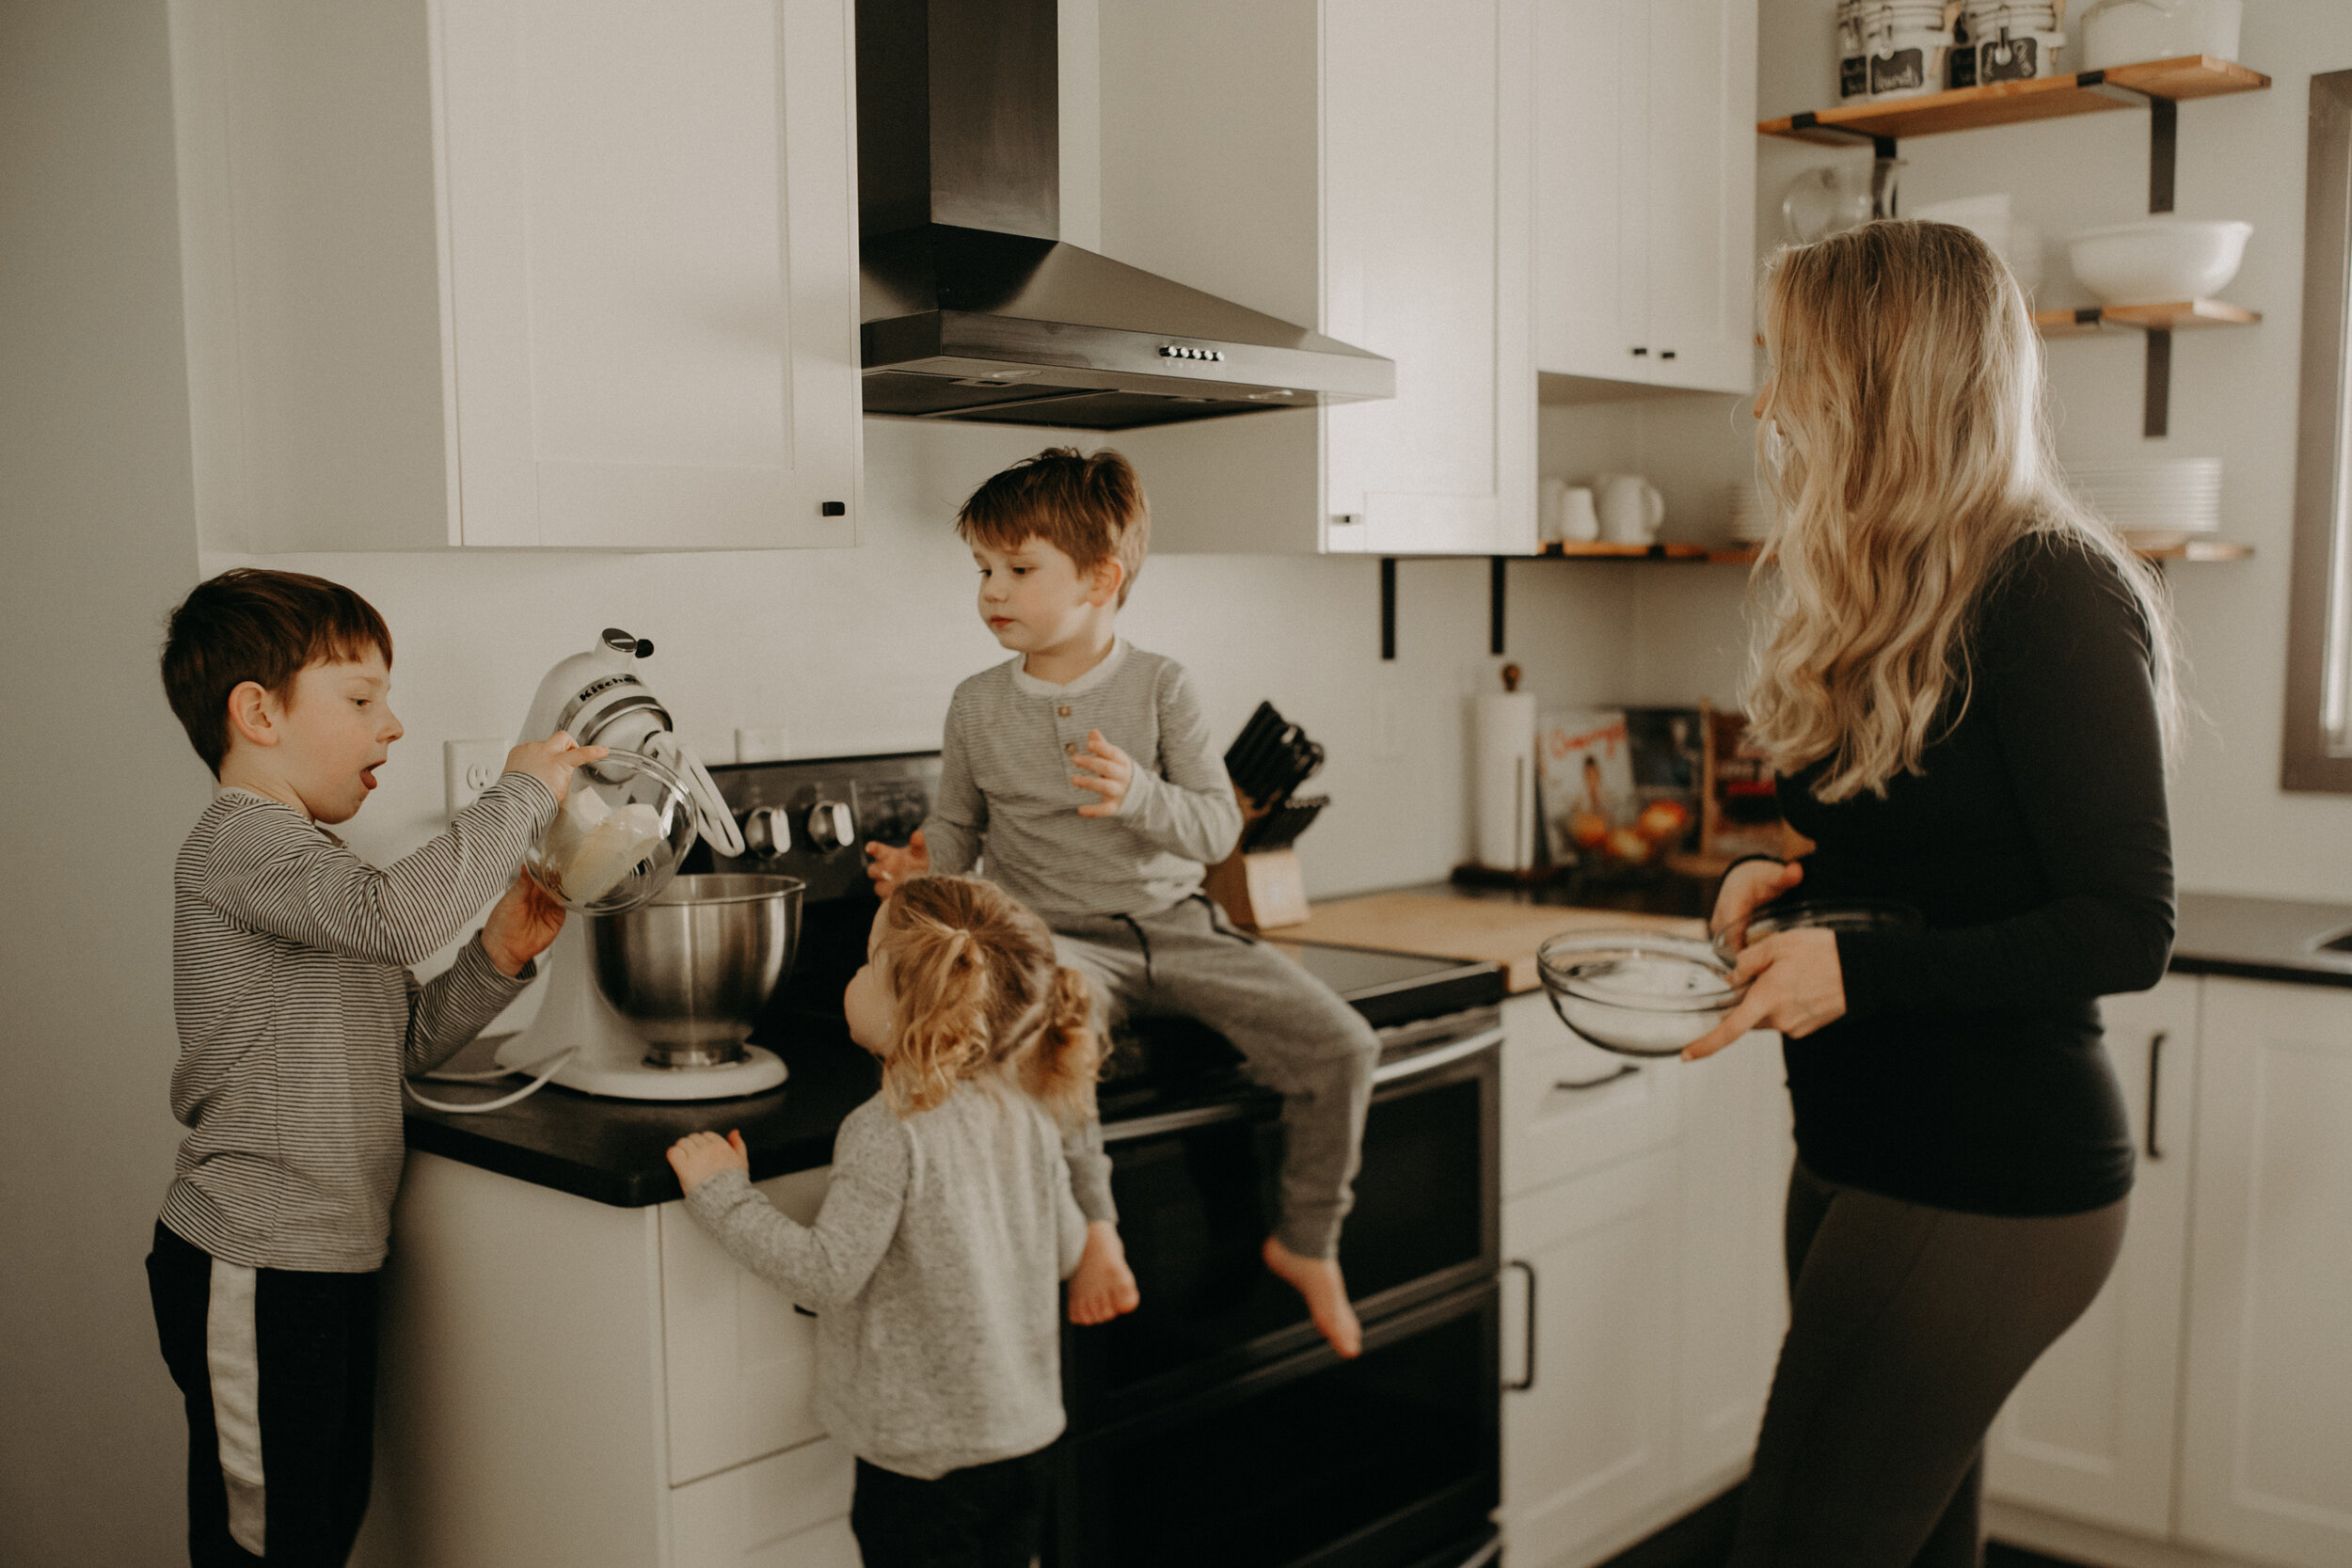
654	285
1425	244
519	273
1592	154
1645	203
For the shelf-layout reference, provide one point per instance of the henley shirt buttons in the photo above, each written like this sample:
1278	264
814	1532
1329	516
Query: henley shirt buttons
1063	710
1070	747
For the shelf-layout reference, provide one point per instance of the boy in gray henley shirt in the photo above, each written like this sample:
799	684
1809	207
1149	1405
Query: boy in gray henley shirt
1081	777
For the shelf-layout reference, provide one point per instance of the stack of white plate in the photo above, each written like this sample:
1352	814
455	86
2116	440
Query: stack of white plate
1751	512
2157	503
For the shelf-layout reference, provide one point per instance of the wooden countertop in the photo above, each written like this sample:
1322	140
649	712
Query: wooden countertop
1451	926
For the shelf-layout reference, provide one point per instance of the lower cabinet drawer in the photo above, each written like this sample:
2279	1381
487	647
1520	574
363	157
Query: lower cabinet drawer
790	1510
740	1362
1570	1106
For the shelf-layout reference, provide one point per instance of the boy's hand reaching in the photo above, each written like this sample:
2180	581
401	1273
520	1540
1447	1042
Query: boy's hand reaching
552	761
1109	772
521	925
886	866
699	1156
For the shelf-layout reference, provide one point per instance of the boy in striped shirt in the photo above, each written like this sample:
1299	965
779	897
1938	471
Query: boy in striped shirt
297	1016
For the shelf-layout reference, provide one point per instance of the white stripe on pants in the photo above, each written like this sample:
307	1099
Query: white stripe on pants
232	1356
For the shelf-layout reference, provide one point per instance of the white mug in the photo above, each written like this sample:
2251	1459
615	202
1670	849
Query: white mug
1631	508
1578	522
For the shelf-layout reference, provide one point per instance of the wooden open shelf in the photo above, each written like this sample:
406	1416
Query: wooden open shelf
2178	316
1744	555
2118	87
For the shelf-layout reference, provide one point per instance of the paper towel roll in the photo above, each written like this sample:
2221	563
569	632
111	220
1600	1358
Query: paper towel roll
1505	740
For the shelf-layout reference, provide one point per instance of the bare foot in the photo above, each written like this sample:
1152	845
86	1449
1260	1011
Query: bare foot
1318	1279
1103	1286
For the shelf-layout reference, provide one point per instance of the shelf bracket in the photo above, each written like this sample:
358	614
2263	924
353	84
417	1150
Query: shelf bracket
1388	608
1497	589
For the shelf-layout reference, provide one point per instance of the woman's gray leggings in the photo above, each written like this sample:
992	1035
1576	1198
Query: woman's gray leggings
1908	1326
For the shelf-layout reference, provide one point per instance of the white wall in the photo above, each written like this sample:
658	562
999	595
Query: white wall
2234	396
97	509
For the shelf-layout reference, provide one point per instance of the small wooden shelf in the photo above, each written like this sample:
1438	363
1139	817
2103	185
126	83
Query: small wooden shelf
1744	555
2091	321
2118	87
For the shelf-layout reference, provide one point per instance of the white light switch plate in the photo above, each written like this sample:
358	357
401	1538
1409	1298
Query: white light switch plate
762	743
469	767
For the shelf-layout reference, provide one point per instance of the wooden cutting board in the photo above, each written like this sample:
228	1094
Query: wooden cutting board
1444	928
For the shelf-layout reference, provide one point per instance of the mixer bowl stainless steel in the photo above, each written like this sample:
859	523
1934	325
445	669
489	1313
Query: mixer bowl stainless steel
690	970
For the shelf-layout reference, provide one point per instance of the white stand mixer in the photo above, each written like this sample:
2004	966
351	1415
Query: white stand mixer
598	699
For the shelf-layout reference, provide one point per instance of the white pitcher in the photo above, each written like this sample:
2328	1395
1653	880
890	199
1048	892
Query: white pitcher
1631	508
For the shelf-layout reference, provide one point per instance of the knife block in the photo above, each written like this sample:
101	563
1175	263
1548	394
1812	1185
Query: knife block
1258	887
1264	888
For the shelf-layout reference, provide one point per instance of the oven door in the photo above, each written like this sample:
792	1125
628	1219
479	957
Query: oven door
1389	1461
1197	1194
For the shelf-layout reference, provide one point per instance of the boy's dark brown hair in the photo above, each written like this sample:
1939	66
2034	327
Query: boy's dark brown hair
1089	507
250	624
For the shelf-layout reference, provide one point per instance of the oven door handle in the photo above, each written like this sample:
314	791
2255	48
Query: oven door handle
1527	1380
1430	1061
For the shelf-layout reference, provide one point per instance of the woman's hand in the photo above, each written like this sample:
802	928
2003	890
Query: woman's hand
1794	986
699	1156
1745	886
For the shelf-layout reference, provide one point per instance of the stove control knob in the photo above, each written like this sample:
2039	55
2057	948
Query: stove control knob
831	826
765	834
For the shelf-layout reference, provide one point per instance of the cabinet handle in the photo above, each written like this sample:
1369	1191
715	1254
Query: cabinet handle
2155	1055
1524	1383
1665	354
1640	351
1577	1086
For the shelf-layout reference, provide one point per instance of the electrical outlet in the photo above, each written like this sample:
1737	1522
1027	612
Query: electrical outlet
469	767
762	743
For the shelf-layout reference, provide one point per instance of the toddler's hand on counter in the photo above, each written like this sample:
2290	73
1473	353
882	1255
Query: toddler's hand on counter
887	866
521	925
552	761
699	1156
1106	771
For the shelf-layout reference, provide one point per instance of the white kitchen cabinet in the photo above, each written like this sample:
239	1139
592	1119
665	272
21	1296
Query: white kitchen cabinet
1588	1441
1733	1294
2091	1431
569	273
1644	128
563	1380
1364	167
1569	1106
2266	1450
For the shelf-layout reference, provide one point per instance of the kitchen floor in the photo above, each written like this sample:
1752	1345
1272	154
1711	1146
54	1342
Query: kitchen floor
1702	1539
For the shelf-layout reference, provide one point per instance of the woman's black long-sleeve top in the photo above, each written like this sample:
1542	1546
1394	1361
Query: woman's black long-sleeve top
1968	1071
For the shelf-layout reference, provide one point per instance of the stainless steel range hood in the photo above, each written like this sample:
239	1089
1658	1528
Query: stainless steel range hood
975	308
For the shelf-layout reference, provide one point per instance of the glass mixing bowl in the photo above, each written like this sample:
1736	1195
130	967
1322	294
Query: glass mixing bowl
1832	914
618	838
1638	993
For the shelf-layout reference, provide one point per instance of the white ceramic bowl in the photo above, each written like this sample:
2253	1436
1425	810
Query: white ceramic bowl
2155	260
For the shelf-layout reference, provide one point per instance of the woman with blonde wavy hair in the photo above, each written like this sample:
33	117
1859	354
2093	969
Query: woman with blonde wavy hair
934	1264
1966	683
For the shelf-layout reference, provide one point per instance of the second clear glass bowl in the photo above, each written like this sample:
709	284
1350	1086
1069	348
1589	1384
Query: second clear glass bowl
618	838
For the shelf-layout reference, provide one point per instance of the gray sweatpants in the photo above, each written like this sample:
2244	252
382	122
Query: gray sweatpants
1908	1327
1295	1034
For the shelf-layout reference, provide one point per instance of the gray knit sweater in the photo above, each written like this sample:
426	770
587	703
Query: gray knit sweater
934	1269
1005	790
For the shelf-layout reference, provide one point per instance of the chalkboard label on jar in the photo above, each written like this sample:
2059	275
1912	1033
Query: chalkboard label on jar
1903	69
2009	60
1853	76
1963	58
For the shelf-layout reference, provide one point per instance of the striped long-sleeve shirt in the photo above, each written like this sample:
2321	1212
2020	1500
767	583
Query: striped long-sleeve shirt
298	1014
1005	790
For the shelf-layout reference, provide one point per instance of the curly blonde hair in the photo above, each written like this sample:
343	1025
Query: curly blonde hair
1905	441
973	977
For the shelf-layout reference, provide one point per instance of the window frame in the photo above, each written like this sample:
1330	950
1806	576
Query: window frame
2319	622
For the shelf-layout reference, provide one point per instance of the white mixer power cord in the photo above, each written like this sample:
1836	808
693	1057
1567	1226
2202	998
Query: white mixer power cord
553	1065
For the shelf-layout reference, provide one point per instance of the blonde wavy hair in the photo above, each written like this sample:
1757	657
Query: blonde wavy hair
973	978
1904	439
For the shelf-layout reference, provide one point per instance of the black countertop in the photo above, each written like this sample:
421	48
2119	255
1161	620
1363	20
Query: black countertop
2260	939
